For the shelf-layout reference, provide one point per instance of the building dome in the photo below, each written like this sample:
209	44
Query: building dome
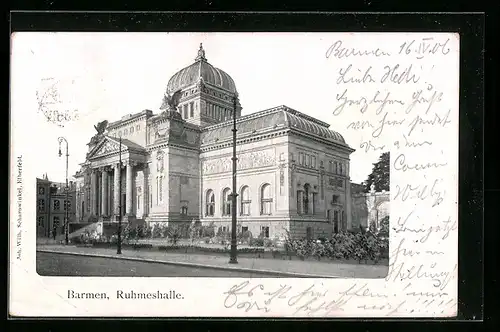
201	68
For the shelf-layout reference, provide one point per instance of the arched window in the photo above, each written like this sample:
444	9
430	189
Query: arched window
226	202
305	198
210	203
245	201
266	199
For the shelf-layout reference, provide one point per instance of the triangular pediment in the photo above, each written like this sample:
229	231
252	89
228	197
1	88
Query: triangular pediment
106	147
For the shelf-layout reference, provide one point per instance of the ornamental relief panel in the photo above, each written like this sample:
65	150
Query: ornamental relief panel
107	148
245	161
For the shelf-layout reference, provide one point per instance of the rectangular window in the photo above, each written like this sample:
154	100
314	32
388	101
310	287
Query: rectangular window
40	221
185	111
191	109
245	208
301	158
330	166
244	229
41	205
264	231
56	221
313	162
57	205
266	206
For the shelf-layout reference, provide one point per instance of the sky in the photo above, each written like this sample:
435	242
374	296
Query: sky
104	76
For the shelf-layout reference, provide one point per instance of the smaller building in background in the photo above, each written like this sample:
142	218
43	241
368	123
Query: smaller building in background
52	205
369	208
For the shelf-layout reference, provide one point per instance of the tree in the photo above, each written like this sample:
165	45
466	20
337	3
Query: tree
380	174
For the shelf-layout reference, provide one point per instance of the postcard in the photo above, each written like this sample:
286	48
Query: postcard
234	174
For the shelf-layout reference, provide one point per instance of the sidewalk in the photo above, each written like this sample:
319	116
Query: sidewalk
276	267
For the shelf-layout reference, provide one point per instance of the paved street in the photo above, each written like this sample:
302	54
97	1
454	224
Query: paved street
206	264
50	264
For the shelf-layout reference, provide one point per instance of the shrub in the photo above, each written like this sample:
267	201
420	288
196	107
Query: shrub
194	231
208	231
246	237
174	233
257	242
268	243
318	249
344	245
147	231
157	231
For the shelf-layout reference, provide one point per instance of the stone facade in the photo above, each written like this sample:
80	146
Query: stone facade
51	207
176	167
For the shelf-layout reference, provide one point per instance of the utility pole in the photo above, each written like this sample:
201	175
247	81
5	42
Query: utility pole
66	210
119	244
233	259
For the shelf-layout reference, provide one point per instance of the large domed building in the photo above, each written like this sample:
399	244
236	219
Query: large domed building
292	169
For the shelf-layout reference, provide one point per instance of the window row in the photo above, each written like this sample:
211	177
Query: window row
129	131
337	167
265	204
307	160
57	205
218	112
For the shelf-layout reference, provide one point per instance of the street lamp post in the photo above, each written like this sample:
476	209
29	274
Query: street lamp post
233	259
66	223
119	240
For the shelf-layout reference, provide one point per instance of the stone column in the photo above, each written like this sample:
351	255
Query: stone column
116	208
129	188
104	192
93	192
